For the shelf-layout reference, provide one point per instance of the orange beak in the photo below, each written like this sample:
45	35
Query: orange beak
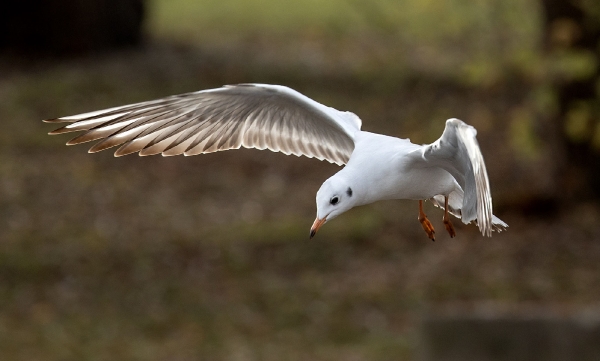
315	227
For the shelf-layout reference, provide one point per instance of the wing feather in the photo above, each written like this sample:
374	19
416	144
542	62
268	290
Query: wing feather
457	151
248	115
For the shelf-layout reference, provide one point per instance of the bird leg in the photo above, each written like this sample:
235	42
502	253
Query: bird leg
427	226
447	223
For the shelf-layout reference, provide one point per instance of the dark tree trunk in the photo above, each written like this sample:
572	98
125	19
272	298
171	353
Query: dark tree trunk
58	27
571	28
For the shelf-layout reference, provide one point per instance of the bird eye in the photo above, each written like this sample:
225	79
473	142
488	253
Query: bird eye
334	200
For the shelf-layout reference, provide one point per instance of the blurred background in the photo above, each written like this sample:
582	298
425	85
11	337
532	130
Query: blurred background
208	257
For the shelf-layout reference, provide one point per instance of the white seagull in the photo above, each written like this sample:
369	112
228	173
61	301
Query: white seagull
450	172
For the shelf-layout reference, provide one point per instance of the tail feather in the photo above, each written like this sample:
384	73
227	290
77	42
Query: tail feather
455	203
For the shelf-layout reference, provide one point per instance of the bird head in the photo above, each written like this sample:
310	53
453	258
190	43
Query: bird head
335	197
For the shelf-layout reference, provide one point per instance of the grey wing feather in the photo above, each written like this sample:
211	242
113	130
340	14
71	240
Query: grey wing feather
457	151
248	115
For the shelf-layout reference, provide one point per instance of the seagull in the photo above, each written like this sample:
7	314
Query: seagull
449	172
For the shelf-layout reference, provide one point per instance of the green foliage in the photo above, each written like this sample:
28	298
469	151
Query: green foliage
474	39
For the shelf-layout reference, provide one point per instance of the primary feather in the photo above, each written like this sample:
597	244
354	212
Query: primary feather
248	115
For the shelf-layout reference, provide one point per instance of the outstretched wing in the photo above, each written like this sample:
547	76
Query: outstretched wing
457	151
248	115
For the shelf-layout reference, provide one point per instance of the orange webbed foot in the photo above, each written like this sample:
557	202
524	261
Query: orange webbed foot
427	227
449	228
447	223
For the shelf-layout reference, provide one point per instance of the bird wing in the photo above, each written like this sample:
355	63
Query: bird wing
457	151
247	115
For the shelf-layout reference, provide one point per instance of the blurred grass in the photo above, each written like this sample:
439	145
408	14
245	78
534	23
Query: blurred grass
473	41
207	258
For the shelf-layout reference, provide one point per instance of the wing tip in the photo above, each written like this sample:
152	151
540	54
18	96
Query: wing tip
74	141
497	225
95	149
141	153
63	130
55	120
455	122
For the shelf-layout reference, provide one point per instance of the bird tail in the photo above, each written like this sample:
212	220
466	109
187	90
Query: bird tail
455	203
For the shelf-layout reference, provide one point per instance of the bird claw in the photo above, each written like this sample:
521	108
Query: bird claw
449	228
427	227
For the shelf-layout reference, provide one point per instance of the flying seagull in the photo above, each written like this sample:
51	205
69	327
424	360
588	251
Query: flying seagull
450	172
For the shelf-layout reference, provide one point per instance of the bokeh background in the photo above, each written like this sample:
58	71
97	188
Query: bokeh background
208	257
